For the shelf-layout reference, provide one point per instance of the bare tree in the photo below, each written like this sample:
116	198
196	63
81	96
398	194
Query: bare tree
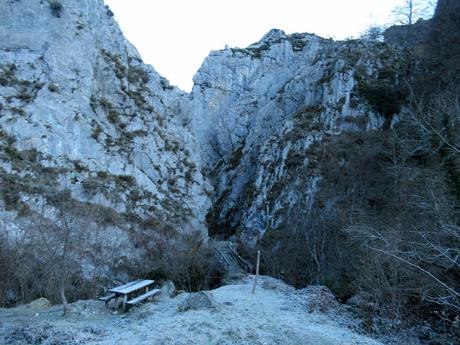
62	241
425	258
412	10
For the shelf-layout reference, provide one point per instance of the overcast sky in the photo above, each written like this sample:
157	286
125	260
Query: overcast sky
176	35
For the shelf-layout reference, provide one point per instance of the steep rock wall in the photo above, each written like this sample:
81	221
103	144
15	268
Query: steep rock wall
85	125
258	112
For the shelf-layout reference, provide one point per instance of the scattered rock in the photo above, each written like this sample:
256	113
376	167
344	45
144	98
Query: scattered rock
95	330
275	284
362	301
198	300
88	308
318	298
39	304
40	335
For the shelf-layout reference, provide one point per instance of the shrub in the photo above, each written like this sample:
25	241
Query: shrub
384	99
109	11
136	74
53	87
113	117
56	8
96	131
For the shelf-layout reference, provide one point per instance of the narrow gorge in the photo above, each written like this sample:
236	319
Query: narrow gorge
300	146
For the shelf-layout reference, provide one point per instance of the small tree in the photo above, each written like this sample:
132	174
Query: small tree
373	33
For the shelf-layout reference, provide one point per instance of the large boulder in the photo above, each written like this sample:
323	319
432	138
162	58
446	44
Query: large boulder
168	289
198	300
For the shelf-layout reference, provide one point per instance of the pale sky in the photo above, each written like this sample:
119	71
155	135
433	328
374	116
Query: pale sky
176	35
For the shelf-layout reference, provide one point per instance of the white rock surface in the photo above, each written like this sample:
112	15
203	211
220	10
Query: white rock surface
75	95
252	108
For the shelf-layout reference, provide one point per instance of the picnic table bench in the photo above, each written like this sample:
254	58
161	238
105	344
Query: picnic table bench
137	290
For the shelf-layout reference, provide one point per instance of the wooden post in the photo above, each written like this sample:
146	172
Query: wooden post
257	272
125	299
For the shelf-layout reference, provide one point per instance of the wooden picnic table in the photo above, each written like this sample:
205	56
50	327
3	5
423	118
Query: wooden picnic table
138	289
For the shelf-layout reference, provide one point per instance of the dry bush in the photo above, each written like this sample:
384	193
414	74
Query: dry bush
186	260
6	271
67	251
57	252
56	8
30	271
409	249
385	224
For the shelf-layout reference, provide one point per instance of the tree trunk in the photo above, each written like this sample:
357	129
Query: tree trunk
65	304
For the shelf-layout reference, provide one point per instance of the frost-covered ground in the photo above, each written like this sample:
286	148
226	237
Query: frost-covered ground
275	314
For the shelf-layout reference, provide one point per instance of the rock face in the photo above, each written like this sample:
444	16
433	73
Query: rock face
259	114
408	35
88	129
92	137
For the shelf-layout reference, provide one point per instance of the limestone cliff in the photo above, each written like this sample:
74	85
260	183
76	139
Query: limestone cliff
260	114
87	128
